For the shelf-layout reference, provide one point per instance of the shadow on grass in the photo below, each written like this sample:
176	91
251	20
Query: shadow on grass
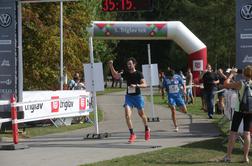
214	144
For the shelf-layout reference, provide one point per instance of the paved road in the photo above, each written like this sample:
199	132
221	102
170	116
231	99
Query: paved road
69	149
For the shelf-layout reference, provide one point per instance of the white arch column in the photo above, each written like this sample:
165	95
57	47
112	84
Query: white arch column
165	30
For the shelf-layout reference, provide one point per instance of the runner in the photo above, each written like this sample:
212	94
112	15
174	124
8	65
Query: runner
133	98
172	84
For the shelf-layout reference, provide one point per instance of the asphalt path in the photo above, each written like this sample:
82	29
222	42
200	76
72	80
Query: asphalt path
71	149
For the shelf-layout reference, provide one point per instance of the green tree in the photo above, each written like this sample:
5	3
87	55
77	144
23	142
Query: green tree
213	22
41	45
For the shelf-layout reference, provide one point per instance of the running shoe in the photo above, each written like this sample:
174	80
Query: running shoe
176	129
147	135
226	159
132	138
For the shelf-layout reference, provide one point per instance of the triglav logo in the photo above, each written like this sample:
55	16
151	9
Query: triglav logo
247	59
5	63
55	104
246	12
5	20
82	102
197	65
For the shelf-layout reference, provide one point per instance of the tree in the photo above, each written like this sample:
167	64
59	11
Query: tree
41	43
213	22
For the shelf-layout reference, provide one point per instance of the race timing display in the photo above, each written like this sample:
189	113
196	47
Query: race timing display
126	5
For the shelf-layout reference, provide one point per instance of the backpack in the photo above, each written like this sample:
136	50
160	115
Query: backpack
72	85
246	99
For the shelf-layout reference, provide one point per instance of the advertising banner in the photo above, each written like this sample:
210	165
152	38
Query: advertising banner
197	65
132	31
8	82
70	104
243	33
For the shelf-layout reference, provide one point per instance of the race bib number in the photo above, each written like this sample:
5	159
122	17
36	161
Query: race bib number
173	89
131	90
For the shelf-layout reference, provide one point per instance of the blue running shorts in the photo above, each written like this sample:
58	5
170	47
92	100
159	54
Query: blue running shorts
176	101
132	101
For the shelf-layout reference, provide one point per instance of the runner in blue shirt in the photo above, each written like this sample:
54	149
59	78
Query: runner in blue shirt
173	83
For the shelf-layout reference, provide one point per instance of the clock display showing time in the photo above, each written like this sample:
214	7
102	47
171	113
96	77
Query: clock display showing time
126	5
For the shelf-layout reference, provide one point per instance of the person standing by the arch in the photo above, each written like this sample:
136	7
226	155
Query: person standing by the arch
210	81
133	97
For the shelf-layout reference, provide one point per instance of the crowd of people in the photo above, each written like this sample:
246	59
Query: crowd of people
214	83
178	91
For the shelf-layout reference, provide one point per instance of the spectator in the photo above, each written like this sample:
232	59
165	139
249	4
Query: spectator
160	86
238	114
74	82
119	79
210	81
189	83
220	105
182	76
78	84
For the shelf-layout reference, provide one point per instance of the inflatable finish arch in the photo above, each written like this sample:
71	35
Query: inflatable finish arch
169	30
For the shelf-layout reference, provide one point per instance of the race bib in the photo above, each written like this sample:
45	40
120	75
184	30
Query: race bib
131	90
173	89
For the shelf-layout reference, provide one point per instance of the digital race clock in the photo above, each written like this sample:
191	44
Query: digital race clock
126	5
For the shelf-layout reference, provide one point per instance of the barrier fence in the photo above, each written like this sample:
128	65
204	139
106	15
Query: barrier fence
84	108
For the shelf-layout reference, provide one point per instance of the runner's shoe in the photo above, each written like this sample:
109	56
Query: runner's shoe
176	129
132	138
147	135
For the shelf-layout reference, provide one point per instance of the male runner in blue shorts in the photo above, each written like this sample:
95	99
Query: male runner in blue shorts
133	98
172	84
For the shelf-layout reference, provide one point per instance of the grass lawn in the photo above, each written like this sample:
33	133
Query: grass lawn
110	90
202	153
197	154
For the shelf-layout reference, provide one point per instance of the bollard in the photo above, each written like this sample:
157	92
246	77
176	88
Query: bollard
14	120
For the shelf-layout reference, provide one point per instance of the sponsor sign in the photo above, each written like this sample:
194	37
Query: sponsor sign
8	70
153	73
197	65
55	104
137	30
83	103
76	103
243	33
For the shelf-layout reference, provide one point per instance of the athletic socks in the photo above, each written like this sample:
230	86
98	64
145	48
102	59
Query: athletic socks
131	131
146	128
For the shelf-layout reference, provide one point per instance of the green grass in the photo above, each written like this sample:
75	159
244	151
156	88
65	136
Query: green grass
197	154
38	131
110	90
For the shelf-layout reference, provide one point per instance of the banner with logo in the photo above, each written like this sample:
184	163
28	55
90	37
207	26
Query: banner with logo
7	49
197	65
132	31
75	103
243	33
